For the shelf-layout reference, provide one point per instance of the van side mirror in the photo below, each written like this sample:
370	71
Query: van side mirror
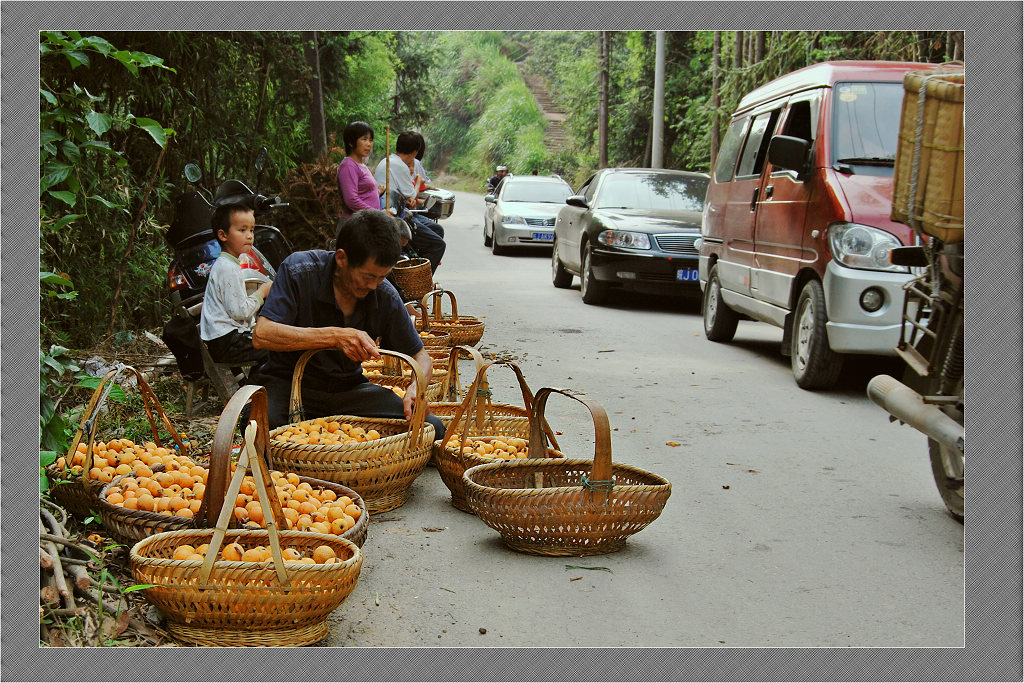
577	200
789	153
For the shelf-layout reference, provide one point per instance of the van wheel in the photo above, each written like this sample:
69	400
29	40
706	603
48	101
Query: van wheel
815	364
719	320
593	292
560	277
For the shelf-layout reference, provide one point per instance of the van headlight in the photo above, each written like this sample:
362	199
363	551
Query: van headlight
863	247
623	238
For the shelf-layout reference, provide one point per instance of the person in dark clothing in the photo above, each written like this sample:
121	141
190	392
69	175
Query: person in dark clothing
339	301
495	180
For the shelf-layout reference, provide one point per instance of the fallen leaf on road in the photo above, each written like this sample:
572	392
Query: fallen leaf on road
576	566
725	486
558	433
576	578
671	443
428	529
752	471
730	463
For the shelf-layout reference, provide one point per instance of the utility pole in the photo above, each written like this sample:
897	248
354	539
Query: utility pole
658	128
602	97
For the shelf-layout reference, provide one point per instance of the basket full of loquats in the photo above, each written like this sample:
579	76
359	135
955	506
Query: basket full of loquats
564	506
431	338
464	329
379	458
77	478
172	492
482	431
238	587
388	372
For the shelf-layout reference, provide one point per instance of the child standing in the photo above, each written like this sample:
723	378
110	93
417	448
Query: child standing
229	312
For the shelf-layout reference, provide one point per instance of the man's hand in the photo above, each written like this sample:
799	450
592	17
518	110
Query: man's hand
409	400
356	344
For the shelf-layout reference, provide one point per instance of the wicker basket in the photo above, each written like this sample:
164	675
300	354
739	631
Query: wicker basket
465	329
414	278
220	603
479	417
130	526
77	493
565	507
439	339
381	471
928	185
395	376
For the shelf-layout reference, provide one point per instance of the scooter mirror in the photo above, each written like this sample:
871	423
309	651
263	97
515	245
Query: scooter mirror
261	160
193	173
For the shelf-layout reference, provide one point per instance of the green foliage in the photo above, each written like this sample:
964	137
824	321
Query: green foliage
55	427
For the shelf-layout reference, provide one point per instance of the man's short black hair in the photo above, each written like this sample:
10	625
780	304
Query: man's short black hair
221	219
408	142
353	132
369	233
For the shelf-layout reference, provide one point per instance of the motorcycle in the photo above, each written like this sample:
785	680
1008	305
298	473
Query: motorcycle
931	396
191	237
195	249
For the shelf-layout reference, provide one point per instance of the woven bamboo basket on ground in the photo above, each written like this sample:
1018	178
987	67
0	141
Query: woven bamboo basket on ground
480	418
393	375
414	278
382	470
214	602
928	182
433	339
464	329
78	493
130	526
565	507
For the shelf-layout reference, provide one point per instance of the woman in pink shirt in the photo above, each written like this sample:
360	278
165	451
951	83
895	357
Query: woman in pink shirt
359	189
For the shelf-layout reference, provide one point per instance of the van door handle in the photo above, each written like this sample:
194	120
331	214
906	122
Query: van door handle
753	200
769	191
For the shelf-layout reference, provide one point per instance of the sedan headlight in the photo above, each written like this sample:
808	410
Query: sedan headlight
621	238
513	220
863	247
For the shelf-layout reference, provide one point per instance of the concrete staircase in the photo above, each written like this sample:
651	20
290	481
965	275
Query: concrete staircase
556	137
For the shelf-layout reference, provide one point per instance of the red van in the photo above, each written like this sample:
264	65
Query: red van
796	229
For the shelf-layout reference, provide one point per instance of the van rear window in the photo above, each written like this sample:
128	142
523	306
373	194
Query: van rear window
865	124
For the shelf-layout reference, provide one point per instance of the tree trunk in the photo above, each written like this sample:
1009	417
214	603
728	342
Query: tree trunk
318	129
759	46
602	105
716	67
737	62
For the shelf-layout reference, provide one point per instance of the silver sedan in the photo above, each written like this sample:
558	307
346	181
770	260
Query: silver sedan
522	212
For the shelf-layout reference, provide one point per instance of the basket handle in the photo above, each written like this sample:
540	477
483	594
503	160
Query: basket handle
601	472
435	298
450	388
87	427
419	412
425	317
250	457
475	404
220	459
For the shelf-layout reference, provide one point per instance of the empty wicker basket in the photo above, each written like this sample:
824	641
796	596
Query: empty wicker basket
564	507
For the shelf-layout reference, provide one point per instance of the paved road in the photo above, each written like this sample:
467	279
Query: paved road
796	518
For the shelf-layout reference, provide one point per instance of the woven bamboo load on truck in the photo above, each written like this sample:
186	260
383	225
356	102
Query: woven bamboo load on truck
928	186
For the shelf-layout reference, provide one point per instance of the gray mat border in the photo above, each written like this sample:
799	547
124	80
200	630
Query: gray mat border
994	342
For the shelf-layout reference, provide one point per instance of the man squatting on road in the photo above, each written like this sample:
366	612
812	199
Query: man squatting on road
340	301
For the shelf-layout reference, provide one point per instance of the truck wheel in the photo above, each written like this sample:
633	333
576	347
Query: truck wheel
948	467
560	277
815	364
719	320
593	292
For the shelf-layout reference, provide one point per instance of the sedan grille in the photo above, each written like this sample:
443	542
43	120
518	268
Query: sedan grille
678	243
541	222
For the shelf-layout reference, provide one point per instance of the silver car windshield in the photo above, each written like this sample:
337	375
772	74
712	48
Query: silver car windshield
543	193
657	191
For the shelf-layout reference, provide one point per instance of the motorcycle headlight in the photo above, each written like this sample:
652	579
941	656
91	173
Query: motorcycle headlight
513	220
863	247
622	238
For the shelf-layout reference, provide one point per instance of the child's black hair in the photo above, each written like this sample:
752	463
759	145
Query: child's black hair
221	219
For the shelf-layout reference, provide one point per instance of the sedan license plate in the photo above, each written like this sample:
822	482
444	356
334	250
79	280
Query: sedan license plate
687	274
544	236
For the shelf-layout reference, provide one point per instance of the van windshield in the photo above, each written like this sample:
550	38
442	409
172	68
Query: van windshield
865	126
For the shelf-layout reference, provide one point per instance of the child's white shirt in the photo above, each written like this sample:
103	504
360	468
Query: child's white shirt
226	306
